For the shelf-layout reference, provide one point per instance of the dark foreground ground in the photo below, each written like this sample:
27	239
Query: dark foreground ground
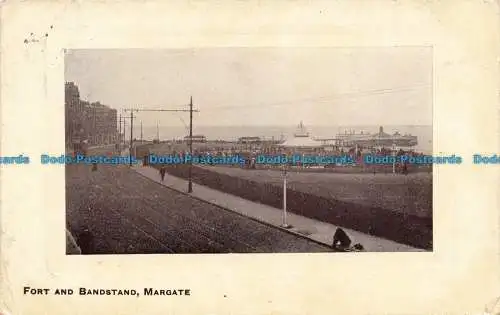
126	213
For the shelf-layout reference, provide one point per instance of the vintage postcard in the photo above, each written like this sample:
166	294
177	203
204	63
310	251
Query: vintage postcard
291	157
255	183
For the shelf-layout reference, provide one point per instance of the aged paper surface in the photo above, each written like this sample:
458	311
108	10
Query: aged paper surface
460	276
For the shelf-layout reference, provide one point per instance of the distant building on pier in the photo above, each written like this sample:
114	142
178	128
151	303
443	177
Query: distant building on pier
196	139
249	140
377	140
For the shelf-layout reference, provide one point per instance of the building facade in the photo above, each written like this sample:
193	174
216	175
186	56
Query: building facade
196	139
249	140
94	123
72	111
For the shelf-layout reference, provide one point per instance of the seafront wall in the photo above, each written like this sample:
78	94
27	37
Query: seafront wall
400	227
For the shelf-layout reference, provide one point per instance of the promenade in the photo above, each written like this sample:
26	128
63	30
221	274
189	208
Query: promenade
313	229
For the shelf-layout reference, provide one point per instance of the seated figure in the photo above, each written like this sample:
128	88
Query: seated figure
341	241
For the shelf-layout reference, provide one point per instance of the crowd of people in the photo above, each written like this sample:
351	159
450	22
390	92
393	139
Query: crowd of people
355	154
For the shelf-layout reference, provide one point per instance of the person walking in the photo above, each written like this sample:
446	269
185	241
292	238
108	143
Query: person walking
162	172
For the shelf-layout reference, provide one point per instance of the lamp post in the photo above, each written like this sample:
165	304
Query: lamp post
284	224
394	158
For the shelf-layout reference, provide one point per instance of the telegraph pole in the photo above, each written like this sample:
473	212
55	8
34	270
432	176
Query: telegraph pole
124	137
157	132
120	127
191	110
190	182
394	156
94	127
119	140
141	131
131	135
131	132
122	119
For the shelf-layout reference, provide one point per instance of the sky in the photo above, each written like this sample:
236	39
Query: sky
261	86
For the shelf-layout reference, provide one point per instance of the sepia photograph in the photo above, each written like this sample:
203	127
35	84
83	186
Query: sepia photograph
248	150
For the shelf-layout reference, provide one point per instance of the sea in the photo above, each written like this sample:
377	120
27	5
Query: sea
232	133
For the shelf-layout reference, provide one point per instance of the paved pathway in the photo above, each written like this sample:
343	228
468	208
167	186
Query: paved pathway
313	229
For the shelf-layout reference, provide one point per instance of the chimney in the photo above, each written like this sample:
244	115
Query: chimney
381	129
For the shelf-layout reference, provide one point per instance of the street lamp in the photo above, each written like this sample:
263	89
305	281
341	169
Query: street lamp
394	158
284	174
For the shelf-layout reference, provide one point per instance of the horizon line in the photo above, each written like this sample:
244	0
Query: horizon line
295	125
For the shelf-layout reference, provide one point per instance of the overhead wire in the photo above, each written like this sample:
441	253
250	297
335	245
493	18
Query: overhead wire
322	98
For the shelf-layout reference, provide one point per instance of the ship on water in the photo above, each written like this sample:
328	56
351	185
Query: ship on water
302	140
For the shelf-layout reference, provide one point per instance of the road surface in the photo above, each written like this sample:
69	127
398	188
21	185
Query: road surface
126	213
